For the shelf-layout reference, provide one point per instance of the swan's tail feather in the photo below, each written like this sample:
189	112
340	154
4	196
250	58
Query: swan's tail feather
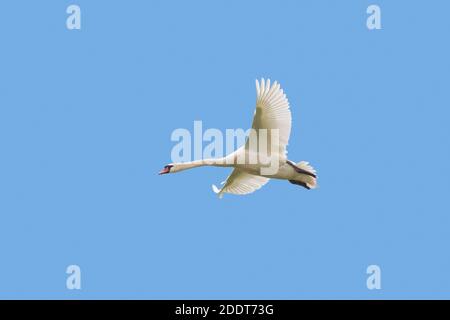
306	166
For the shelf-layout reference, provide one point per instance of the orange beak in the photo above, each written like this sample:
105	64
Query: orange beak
164	171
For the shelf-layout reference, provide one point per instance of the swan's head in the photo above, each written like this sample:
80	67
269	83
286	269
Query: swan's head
167	169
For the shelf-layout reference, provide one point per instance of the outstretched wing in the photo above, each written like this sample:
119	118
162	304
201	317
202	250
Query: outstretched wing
272	112
240	182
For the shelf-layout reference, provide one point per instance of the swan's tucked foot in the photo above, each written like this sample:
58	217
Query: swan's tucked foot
300	183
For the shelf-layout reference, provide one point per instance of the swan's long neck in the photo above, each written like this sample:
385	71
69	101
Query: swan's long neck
201	163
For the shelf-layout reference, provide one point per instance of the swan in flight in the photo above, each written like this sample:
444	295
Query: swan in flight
272	115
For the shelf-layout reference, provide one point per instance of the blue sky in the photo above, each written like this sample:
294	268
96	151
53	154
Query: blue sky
85	123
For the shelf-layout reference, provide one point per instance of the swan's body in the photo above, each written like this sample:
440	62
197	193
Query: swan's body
272	114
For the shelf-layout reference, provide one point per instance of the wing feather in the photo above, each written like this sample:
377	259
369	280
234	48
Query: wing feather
240	182
272	112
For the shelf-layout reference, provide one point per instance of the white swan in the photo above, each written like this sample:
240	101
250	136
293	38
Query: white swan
272	113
